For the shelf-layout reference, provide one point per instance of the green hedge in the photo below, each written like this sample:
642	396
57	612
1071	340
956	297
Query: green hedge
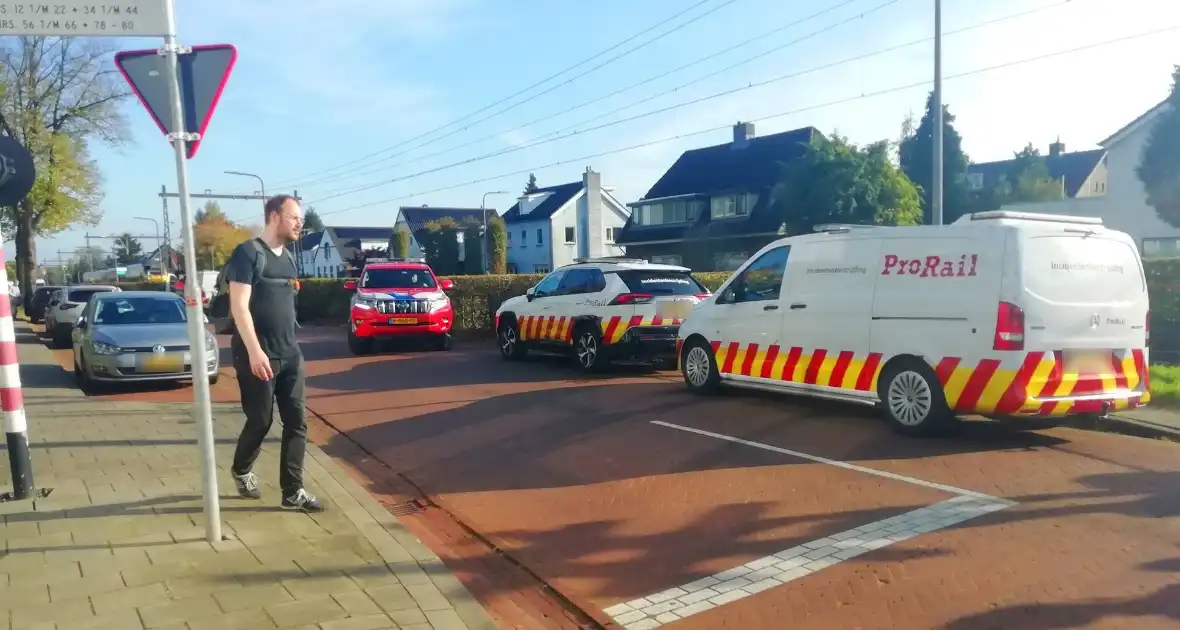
1163	284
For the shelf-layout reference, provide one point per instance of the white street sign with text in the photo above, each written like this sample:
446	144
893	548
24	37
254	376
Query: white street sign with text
84	18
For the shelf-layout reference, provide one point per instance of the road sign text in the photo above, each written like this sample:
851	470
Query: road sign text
129	18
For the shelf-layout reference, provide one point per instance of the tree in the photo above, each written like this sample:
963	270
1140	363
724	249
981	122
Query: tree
472	248
1029	178
838	182
211	210
1159	165
312	221
439	240
215	238
916	156
399	243
531	186
361	255
127	249
498	246
57	97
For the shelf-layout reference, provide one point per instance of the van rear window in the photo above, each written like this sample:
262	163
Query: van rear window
1082	269
662	282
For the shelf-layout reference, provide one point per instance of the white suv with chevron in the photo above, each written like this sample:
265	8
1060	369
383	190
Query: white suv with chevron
602	310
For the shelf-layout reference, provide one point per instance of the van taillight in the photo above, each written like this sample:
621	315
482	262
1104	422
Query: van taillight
631	298
1009	327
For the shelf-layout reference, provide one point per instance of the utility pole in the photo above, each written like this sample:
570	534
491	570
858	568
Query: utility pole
936	188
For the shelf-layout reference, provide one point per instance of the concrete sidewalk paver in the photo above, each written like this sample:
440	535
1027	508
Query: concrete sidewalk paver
119	543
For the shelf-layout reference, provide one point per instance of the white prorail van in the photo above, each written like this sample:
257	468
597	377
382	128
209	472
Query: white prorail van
1001	314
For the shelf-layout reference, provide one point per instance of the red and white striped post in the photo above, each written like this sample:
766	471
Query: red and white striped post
12	403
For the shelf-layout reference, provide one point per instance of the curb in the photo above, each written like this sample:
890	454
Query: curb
1125	426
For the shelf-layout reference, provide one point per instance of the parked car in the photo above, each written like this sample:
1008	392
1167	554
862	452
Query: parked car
64	309
1015	316
136	336
398	299
36	304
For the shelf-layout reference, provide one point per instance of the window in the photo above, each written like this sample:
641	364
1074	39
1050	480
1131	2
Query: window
578	281
729	261
540	268
610	234
975	181
569	235
672	211
540	236
81	296
732	206
662	282
524	238
761	281
139	310
397	279
667	259
549	285
509	239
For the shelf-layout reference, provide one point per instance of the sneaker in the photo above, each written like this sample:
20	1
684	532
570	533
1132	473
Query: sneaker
302	500
248	486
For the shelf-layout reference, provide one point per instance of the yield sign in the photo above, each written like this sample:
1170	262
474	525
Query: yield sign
203	73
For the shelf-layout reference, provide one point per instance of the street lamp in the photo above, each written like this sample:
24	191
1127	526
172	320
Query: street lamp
483	212
936	188
261	184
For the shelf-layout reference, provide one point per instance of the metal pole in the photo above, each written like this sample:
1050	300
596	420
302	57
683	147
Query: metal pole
16	427
261	184
203	408
936	193
159	245
484	213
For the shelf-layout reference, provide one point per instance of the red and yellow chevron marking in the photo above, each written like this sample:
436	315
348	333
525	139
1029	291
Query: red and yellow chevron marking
987	386
844	369
613	328
542	328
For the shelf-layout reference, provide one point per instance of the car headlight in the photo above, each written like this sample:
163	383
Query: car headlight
210	342
105	348
438	303
364	302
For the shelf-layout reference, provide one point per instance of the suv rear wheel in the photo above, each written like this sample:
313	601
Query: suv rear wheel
588	348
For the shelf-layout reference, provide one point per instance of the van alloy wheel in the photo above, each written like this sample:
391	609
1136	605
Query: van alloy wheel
697	366
909	398
587	350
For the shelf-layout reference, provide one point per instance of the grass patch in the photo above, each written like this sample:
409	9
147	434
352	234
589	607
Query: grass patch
1165	386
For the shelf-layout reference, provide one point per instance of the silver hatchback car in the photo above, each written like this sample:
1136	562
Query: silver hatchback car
136	336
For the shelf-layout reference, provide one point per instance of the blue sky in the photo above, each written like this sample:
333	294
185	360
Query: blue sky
319	84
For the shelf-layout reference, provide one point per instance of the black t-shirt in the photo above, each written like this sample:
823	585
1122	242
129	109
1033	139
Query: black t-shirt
272	298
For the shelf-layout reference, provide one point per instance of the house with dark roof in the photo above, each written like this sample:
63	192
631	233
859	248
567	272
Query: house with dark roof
414	218
1122	204
327	254
305	251
555	225
711	209
1081	173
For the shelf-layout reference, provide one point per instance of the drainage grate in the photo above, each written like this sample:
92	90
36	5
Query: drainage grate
405	508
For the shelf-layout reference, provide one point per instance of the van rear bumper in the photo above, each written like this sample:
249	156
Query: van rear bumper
1086	404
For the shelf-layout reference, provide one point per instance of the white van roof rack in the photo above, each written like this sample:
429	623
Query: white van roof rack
1030	216
843	227
610	259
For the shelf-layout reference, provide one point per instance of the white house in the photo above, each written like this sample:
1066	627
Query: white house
327	254
554	225
1123	206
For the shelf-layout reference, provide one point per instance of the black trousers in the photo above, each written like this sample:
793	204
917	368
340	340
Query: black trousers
258	402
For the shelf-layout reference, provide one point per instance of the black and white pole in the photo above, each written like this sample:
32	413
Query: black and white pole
12	402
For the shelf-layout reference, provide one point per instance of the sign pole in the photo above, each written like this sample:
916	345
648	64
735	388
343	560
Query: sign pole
203	409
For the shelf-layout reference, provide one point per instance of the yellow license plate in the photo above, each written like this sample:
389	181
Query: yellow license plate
163	363
403	320
674	310
1087	362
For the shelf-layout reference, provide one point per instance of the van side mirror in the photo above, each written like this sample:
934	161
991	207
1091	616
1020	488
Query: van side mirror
81	325
531	293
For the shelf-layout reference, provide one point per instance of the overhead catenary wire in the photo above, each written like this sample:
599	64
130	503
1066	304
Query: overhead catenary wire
824	105
645	31
597	99
342	192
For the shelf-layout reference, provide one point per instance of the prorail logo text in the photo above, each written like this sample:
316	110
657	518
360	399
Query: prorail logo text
931	266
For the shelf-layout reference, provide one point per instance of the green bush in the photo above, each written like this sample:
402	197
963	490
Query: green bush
1163	287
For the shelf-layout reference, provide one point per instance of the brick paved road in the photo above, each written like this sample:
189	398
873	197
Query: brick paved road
838	522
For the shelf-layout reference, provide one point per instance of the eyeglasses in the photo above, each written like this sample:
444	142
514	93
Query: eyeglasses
294	218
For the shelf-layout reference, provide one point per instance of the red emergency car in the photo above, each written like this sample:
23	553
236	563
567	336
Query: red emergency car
398	298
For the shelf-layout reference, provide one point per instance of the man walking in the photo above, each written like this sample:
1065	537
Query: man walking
269	364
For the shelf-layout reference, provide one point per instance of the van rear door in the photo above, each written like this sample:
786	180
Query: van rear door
1082	290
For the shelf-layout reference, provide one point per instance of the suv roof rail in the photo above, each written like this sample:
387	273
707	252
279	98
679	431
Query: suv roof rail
385	260
1029	216
610	259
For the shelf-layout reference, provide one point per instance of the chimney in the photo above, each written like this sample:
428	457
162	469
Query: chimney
591	233
1056	149
743	133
